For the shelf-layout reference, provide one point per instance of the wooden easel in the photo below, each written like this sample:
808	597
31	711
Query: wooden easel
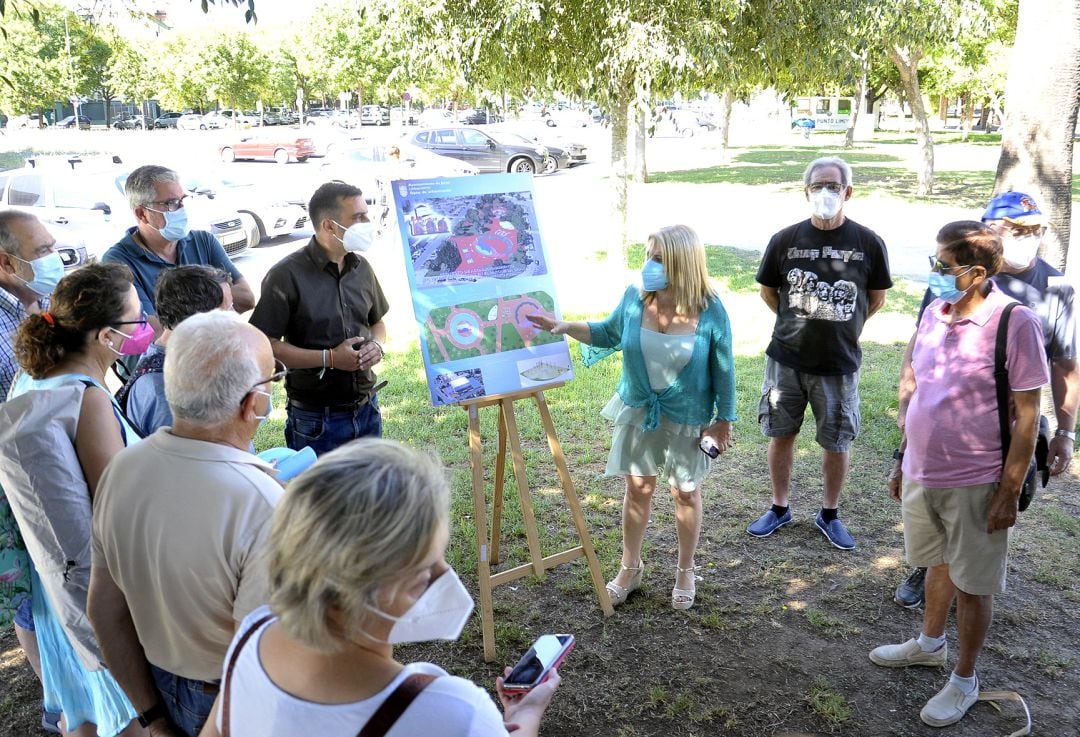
488	547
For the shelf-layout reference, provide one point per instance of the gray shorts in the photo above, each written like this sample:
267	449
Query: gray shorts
833	399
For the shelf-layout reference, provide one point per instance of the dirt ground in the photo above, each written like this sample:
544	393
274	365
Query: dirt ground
777	643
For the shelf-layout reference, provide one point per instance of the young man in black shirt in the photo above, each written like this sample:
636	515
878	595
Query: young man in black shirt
322	308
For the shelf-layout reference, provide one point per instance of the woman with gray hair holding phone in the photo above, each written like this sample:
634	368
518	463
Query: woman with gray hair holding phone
357	564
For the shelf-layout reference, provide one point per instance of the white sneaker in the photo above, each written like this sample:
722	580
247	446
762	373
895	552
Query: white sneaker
908	653
949	706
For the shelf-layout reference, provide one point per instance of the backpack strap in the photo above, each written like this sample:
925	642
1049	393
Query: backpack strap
231	666
395	705
121	417
153	364
1001	380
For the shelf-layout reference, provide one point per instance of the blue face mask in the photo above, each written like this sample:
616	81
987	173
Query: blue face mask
48	271
653	276
176	224
943	286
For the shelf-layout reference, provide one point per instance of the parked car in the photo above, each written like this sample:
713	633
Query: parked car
486	152
319	115
273	213
567	118
434	117
280	149
227	118
480	117
86	208
32	120
128	122
190	122
167	120
374	115
69	122
564	155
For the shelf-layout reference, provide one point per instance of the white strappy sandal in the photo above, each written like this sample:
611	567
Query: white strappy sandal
618	593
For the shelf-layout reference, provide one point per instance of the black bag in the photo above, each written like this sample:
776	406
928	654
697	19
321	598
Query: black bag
1039	468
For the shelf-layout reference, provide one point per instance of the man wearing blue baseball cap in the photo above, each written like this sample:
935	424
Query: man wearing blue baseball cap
1031	281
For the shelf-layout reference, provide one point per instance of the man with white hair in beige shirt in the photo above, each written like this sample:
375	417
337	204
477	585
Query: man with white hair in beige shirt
180	524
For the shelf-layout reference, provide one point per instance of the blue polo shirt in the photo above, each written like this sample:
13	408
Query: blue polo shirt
199	247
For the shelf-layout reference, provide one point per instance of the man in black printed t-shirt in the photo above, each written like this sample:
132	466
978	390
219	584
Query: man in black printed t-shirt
823	277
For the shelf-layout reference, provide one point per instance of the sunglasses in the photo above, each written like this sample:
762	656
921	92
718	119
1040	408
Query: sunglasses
937	266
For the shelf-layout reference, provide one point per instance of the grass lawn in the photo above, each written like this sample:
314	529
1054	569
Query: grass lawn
777	641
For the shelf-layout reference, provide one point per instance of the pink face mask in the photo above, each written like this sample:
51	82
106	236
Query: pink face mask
136	343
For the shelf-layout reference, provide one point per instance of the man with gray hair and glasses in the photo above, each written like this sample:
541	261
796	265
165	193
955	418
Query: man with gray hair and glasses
180	524
162	238
823	277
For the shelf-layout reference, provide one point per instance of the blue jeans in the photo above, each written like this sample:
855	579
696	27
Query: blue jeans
326	429
188	701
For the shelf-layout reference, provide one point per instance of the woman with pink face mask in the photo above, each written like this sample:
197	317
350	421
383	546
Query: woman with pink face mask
93	318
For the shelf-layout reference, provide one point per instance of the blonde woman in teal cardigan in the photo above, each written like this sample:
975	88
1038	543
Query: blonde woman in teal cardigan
675	397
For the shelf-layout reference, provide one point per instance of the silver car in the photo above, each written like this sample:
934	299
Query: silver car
87	211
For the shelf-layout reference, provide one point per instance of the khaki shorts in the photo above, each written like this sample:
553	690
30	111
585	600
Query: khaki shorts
949	526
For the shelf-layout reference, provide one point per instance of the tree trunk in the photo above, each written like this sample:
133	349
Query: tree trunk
640	125
860	98
984	116
907	64
1042	96
727	101
620	171
967	114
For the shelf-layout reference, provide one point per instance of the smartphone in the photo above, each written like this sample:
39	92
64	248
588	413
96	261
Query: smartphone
708	447
546	653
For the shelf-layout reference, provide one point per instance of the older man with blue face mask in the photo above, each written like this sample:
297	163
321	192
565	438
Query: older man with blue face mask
1030	280
823	277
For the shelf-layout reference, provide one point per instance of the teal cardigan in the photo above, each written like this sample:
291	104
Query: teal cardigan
702	393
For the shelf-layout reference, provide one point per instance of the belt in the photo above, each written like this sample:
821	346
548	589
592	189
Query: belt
346	407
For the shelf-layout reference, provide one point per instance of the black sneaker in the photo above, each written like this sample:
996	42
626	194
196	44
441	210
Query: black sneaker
910	593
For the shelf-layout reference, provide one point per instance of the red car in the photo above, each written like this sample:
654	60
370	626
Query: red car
280	150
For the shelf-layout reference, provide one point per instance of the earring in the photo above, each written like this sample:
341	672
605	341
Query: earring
110	344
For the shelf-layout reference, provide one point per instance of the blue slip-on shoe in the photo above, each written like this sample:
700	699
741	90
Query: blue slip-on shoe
835	532
768	523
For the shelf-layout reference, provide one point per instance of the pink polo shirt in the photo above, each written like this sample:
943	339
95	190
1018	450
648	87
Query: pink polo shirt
952	430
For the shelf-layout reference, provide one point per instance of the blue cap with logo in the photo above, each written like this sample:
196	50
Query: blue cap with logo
1014	207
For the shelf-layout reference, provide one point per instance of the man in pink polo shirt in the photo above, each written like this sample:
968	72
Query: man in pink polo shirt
959	500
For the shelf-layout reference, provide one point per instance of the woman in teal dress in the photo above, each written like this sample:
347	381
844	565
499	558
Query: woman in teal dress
94	317
675	398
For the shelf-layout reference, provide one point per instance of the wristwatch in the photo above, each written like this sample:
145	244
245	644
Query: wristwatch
1063	433
898	455
151	715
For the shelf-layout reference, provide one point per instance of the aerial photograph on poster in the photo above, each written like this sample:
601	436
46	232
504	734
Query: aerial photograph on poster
462	239
487	327
477	269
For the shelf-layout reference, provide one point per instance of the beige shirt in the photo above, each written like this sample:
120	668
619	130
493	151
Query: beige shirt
181	525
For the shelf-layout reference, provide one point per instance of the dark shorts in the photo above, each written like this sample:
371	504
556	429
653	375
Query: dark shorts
327	429
24	615
834	401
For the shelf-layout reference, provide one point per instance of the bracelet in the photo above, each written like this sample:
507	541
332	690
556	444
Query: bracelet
382	351
1063	433
331	352
324	358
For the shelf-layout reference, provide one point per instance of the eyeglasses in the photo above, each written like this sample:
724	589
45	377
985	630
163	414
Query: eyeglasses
1009	230
833	187
937	266
170	205
141	321
277	376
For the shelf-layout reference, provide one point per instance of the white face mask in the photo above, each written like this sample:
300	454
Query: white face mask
359	237
826	205
1018	253
439	614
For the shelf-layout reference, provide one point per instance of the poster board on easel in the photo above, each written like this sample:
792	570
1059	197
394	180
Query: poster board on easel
477	265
